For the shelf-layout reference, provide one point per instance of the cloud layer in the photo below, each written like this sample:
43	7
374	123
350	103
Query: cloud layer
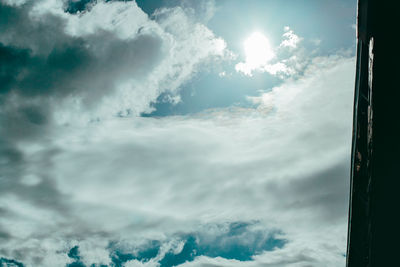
279	163
85	180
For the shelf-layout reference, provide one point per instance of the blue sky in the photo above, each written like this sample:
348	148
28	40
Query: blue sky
175	133
327	23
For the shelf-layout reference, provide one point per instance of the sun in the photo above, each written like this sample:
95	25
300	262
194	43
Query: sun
258	50
258	54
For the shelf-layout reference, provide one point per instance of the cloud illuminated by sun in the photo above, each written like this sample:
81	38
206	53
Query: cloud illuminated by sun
262	57
258	50
258	53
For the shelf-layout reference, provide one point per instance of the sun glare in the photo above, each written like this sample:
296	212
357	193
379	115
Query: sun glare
258	50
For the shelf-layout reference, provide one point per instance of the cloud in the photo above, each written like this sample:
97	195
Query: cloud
153	178
290	39
84	180
258	53
261	57
203	11
109	59
14	2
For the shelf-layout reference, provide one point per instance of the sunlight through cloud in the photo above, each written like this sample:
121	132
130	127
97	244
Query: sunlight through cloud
258	53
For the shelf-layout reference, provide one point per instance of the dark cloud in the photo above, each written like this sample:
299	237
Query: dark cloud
38	59
15	167
325	191
12	61
21	30
72	68
40	66
4	236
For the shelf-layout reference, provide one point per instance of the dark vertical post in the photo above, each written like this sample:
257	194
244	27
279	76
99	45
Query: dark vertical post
375	174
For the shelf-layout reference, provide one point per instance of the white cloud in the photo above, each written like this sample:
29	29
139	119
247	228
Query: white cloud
261	57
123	18
290	39
137	179
278	68
258	52
186	44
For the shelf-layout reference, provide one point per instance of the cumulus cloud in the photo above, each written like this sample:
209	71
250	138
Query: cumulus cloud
112	58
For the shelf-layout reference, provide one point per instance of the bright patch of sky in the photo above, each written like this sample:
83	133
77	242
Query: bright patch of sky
258	53
294	32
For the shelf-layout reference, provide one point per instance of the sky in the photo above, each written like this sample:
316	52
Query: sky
175	132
